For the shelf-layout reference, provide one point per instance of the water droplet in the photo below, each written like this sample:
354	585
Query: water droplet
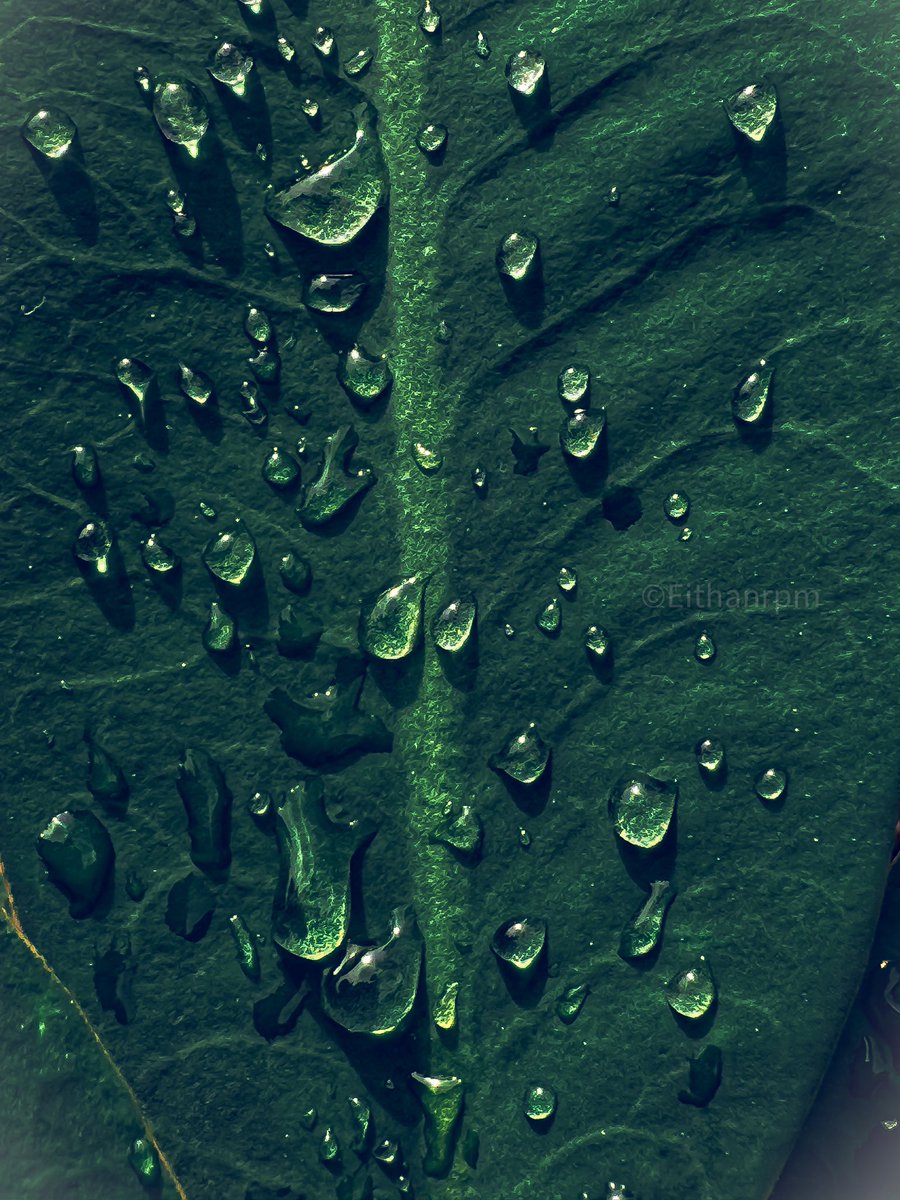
143	80
752	109
266	365
462	830
677	506
524	837
528	453
359	62
230	65
298	633
311	108
336	484
441	1098
230	557
373	990
245	943
144	1161
692	993
295	572
704	647
85	466
93	545
444	1014
207	804
158	558
387	1152
516	255
525	70
364	377
260	804
525	756
252	6
363	1128
181	113
78	853
641	807
333	293
324	42
482	45
308	1118
286	49
50	131
567	579
705	1075
613	195
252	409
643	931
508	630
520	943
429	18
444	333
571	1002
329	1148
597	643
581	432
391	624
184	222
258	326
207	510
105	779
549	618
771	784
685	534
196	385
427	460
137	378
431	138
574	384
750	402
279	469
452	625
335	202
710	758
539	1102
479	480
220	631
270	251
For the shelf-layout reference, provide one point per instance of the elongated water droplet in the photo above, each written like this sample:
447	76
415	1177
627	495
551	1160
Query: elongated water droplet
207	804
373	990
452	625
363	376
78	853
279	469
50	131
207	510
520	943
252	409
329	1147
230	65
463	830
429	18
181	113
157	556
482	45
539	1102
549	618
286	49
337	483
704	1075
571	1002
93	545
704	647
391	623
360	62
567	579
363	1127
196	385
517	255
581	432
525	70
85	467
335	202
441	1098
525	756
230	556
751	400
428	460
643	931
710	758
444	1014
752	109
257	325
597	643
323	41
692	993
295	572
641	807
105	779
676	507
220	632
431	138
334	293
771	784
143	80
574	384
144	1161
245	944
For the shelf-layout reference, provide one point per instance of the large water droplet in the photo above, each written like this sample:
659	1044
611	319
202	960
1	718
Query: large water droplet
539	1102
207	804
230	556
429	18
525	756
230	65
641	807
752	109
197	386
441	1098
520	943
85	466
771	784
704	647
280	469
93	545
337	483
574	384
452	626
334	203
676	507
524	70
571	1002
50	131
431	138
750	402
517	255
157	556
643	931
692	993
374	988
710	758
549	618
581	432
334	293
444	1013
390	624
78	853
181	113
364	377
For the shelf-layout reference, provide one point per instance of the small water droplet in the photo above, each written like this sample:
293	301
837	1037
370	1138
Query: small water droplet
479	480
196	385
676	507
574	384
286	49
771	784
257	325
363	1128
295	572
364	377
136	376
387	1152
310	108
220	631
704	1075
252	409
181	113
261	152
252	6
751	400
279	469
692	993
50	131
643	931
704	647
324	42
308	1118
752	109
641	808
525	70
207	510
444	333
329	1148
266	365
333	293
597	643
359	63
508	630
567	579
482	45
230	557
85	466
539	1102
613	195
549	618
391	623
461	829
452	625
517	254
230	65
524	837
685	534
710	758
426	459
429	18
520	942
581	432
269	250
444	1014
571	1002
527	452
431	138
525	756
93	545
143	80
158	558
144	1161
260	804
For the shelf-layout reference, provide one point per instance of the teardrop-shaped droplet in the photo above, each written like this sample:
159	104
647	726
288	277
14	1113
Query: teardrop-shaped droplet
144	1161
574	384
751	400
196	385
525	756
643	931
444	1013
429	18
230	65
539	1102
230	556
338	482
85	466
752	110
280	469
431	138
571	1002
334	293
50	131
181	113
323	41
597	643
771	784
373	990
567	579
461	829
93	545
428	460
692	993
676	507
364	377
157	556
78	853
441	1097
519	943
220	632
295	572
136	376
641	807
329	1147
286	49
549	618
517	255
257	325
391	624
335	202
525	70
704	647
581	432
360	62
482	45
452	625
710	758
143	80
